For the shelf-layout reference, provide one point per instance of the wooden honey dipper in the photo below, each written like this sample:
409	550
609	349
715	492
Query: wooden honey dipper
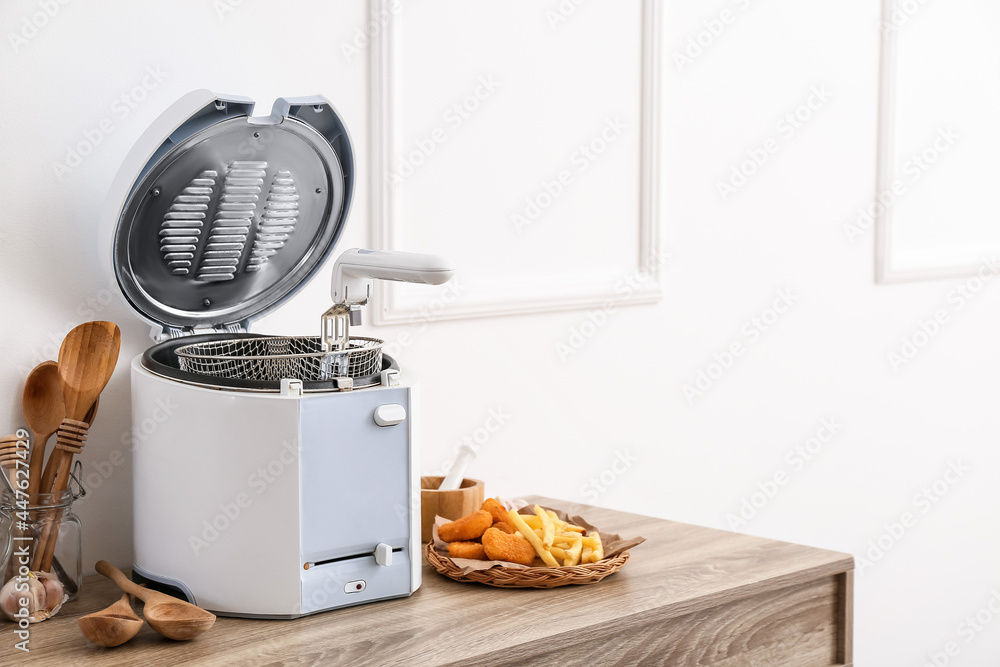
70	439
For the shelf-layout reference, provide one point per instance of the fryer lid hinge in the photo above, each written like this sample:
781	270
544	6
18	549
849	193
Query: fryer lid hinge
160	333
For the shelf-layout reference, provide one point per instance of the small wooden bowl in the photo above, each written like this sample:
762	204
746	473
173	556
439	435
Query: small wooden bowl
451	505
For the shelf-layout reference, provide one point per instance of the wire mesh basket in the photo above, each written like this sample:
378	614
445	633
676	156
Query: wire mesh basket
280	357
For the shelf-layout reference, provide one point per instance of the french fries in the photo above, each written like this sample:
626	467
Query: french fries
559	552
598	553
548	527
533	539
555	540
573	554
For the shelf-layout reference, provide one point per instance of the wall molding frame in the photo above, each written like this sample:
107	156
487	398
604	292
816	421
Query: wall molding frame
573	292
886	155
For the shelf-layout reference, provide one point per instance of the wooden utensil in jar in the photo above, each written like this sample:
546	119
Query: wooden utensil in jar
76	438
44	409
87	360
9	456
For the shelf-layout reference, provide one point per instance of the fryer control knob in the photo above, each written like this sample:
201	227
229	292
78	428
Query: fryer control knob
383	554
390	414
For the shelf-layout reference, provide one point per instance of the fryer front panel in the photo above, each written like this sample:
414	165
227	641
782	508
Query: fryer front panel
355	485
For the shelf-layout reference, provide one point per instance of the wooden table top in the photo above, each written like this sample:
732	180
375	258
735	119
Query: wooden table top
679	570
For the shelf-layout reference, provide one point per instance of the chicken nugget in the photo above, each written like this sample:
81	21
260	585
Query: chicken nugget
467	528
505	527
466	550
511	548
496	509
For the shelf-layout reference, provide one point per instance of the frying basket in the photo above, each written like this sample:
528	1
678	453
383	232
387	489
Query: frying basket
280	357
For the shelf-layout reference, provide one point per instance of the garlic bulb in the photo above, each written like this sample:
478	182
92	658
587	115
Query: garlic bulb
35	597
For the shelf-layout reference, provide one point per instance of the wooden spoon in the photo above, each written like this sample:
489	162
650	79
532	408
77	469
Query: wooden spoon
171	617
112	626
87	359
44	409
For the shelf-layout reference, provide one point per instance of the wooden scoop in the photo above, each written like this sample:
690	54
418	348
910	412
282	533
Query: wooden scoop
44	410
171	617
112	626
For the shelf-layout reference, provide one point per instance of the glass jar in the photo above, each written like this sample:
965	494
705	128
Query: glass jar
29	524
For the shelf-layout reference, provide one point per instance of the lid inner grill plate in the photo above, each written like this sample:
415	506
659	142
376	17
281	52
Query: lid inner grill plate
229	222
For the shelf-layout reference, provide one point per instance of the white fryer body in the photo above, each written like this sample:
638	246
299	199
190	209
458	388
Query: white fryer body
234	492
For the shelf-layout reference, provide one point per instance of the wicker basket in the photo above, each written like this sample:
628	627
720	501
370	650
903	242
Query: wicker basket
532	577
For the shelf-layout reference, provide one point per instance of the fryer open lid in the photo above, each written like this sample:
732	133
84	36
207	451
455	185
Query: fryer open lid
219	217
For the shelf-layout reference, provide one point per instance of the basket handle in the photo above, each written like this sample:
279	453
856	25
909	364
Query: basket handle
356	268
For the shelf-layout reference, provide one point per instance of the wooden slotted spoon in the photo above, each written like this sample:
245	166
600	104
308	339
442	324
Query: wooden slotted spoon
171	617
112	626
